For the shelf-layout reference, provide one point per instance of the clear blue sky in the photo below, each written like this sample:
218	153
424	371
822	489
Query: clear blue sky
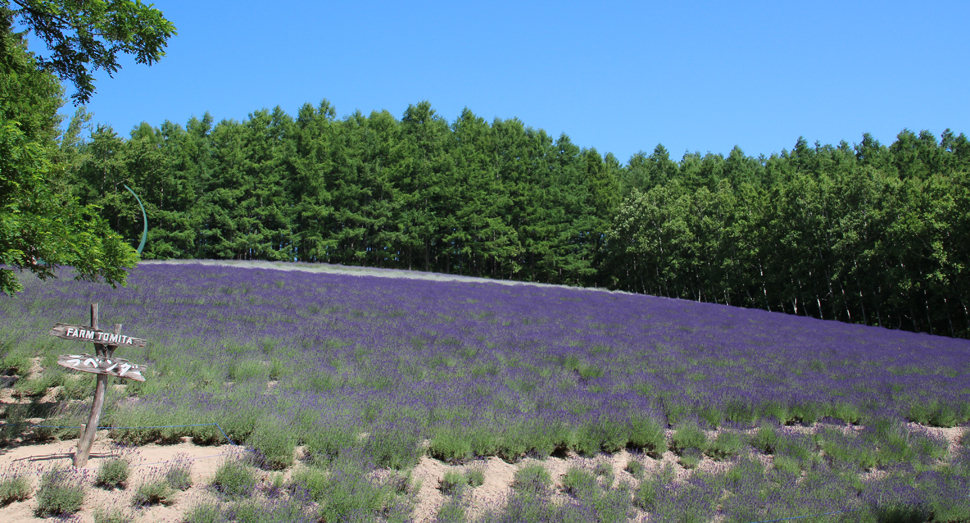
617	76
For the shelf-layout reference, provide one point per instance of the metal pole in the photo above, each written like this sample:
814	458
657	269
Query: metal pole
144	217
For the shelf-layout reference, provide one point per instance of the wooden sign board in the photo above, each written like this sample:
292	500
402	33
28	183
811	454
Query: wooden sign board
87	334
116	367
104	365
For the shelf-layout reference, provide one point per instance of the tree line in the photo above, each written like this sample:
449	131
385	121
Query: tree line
864	234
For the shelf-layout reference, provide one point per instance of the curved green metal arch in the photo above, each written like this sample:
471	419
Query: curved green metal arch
144	234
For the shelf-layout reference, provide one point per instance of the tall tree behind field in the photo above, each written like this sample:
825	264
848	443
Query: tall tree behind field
309	187
223	231
430	200
367	198
865	233
643	172
956	213
188	156
872	235
106	163
518	151
484	238
564	215
167	187
525	169
587	193
103	168
263	209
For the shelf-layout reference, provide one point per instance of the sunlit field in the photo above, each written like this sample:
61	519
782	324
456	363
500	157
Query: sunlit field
347	383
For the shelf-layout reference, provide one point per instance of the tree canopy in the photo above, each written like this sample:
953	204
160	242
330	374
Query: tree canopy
865	233
40	217
86	36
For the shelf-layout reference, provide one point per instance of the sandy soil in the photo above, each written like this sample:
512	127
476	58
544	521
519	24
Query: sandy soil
149	459
425	477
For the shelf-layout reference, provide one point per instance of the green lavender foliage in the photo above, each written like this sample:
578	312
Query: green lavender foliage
452	482
61	492
647	434
178	474
451	445
110	514
475	476
274	444
113	474
14	486
688	436
155	491
532	479
343	489
203	512
234	479
725	445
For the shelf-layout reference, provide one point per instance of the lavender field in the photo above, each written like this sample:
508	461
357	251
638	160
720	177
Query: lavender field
806	416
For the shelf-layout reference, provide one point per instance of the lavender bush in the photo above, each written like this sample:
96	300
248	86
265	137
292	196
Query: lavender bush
280	359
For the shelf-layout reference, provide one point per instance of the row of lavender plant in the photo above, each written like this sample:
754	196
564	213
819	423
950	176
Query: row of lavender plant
444	348
479	368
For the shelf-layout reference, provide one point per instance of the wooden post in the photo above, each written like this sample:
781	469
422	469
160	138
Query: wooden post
87	437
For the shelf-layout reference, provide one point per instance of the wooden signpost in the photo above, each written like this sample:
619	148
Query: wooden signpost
103	364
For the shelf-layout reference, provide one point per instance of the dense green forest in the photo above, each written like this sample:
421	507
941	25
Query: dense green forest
864	233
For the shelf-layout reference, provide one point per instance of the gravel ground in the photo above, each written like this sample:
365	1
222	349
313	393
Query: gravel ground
359	271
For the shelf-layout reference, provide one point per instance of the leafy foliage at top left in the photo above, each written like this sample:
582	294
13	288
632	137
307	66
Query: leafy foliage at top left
86	36
39	216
